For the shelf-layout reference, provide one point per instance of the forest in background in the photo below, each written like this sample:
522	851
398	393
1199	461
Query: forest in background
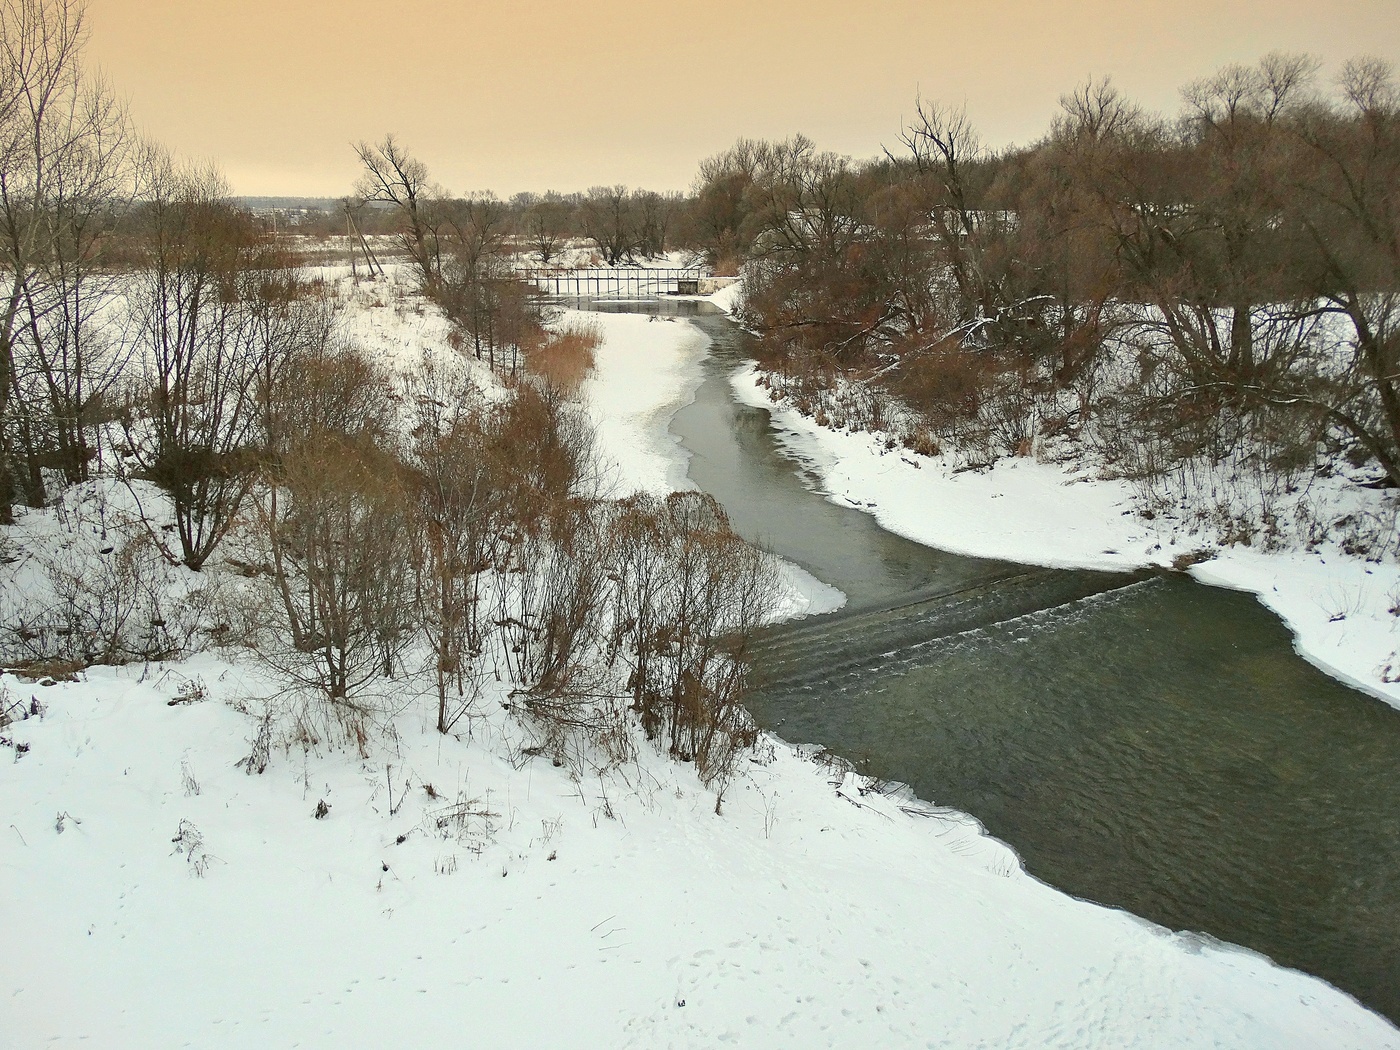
1206	300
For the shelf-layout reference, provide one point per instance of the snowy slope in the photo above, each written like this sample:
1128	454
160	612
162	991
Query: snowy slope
526	909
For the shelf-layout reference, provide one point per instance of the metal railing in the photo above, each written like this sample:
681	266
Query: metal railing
610	282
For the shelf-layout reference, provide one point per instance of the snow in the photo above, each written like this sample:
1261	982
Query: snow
728	299
1020	509
646	370
802	594
525	908
1337	606
518	904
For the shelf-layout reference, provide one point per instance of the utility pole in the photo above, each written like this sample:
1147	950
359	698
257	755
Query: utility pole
353	228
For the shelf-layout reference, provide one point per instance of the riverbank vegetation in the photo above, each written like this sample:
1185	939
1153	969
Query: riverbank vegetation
1206	303
1202	302
346	694
1209	301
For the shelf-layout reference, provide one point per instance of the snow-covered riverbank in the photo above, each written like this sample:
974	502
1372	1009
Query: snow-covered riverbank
1339	606
449	895
457	891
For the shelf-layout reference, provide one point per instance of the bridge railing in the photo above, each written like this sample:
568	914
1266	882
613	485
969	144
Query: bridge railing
613	281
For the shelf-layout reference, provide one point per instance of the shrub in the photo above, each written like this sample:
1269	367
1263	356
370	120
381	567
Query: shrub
563	359
689	596
334	526
98	589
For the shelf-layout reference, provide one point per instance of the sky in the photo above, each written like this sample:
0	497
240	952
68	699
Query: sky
511	95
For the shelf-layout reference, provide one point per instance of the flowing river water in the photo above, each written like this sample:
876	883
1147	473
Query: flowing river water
1142	741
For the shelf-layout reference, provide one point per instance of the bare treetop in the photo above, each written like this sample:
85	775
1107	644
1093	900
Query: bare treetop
391	175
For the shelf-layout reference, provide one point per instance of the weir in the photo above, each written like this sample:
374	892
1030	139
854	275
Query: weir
827	652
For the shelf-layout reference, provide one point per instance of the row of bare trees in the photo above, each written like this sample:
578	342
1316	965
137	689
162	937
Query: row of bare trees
69	163
1224	278
465	251
459	249
137	297
620	225
220	322
391	532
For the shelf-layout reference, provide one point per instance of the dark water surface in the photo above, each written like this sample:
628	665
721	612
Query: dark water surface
1142	741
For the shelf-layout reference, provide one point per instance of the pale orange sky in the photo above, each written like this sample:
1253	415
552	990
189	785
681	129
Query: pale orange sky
540	94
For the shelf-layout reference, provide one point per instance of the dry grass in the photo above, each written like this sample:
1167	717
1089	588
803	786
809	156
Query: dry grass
564	358
729	266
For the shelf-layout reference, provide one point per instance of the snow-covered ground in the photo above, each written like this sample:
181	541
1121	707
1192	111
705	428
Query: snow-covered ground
154	894
452	896
645	371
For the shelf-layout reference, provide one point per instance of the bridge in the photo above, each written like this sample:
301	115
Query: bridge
615	282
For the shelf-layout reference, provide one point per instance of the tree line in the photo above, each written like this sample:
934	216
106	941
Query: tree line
1216	283
621	225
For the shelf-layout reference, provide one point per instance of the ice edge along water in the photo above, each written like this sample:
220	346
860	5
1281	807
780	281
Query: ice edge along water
635	390
803	439
1336	605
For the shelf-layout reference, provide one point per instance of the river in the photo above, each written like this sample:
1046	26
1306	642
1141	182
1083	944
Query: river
1142	741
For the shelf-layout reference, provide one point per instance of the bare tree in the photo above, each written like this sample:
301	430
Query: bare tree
219	314
458	517
942	142
689	596
655	219
1235	129
65	151
461	248
719	220
471	283
545	224
335	528
609	221
392	176
1346	196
